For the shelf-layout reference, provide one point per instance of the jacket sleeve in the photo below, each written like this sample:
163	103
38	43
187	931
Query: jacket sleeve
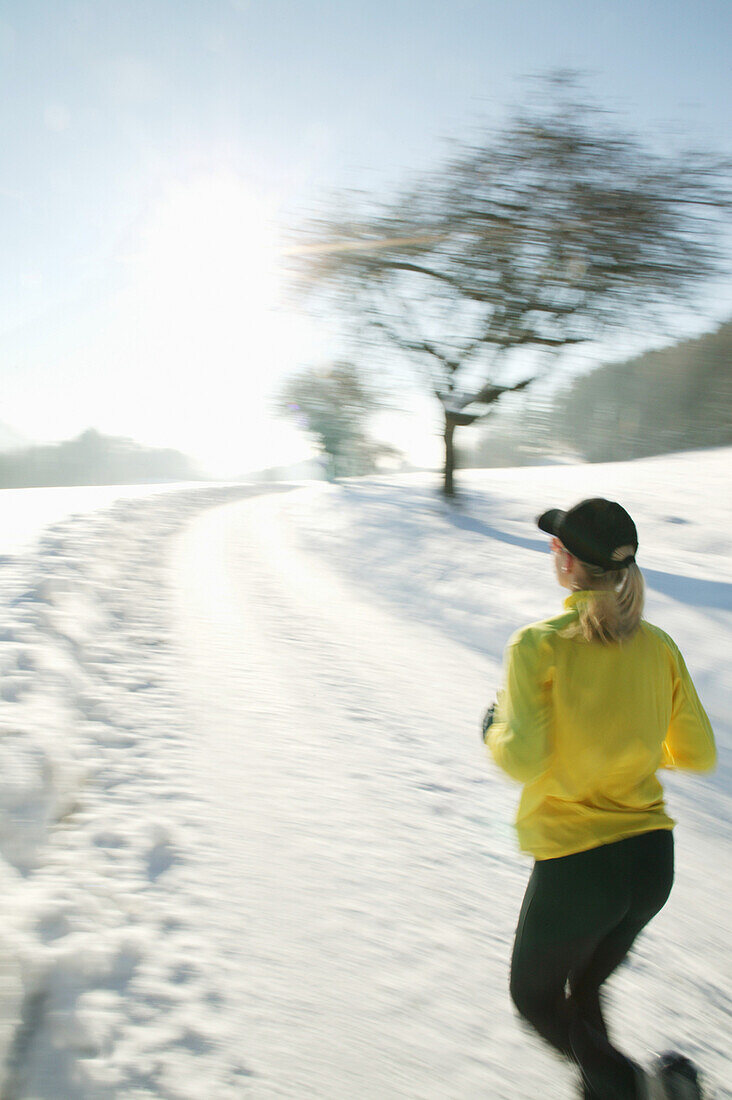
689	741
519	739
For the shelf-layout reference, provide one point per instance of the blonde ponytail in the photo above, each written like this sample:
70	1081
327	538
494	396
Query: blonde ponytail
613	610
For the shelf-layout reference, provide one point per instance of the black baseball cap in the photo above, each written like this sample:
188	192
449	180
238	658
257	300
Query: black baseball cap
594	530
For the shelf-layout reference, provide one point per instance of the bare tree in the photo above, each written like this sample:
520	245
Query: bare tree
540	235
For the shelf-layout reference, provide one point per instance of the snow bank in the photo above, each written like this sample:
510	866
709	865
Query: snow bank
104	987
25	513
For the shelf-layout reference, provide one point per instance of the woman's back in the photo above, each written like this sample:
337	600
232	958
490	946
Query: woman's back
586	725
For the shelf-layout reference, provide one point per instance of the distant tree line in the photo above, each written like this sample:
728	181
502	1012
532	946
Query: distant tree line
93	459
677	398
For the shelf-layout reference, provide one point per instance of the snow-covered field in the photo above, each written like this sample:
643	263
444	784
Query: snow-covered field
251	845
25	513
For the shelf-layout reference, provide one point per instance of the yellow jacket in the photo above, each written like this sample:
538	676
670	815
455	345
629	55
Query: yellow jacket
585	726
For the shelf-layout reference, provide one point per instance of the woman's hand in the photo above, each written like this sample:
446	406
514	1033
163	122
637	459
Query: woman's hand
488	720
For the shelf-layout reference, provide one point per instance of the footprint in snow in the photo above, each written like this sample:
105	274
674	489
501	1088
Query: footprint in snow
160	858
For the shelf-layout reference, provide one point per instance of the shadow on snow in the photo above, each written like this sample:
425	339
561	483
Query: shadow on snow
694	591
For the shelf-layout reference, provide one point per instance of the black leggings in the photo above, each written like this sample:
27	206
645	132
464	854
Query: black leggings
580	916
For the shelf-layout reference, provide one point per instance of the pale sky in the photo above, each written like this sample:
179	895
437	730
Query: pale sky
154	151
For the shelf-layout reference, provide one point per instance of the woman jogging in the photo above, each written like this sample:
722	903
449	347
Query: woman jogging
595	701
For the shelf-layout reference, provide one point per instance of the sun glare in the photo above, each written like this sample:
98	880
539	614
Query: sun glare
199	325
209	259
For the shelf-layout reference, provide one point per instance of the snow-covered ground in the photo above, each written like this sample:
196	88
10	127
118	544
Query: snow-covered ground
90	800
25	513
251	844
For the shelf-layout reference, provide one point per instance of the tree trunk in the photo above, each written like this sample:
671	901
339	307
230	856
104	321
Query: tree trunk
448	486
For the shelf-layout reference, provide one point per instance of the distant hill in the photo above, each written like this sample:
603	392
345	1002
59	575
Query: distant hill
93	459
317	469
308	469
11	440
675	399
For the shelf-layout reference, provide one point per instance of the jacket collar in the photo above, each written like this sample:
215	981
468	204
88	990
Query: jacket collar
584	594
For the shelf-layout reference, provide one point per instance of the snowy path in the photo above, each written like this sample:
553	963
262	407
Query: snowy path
364	883
359	930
